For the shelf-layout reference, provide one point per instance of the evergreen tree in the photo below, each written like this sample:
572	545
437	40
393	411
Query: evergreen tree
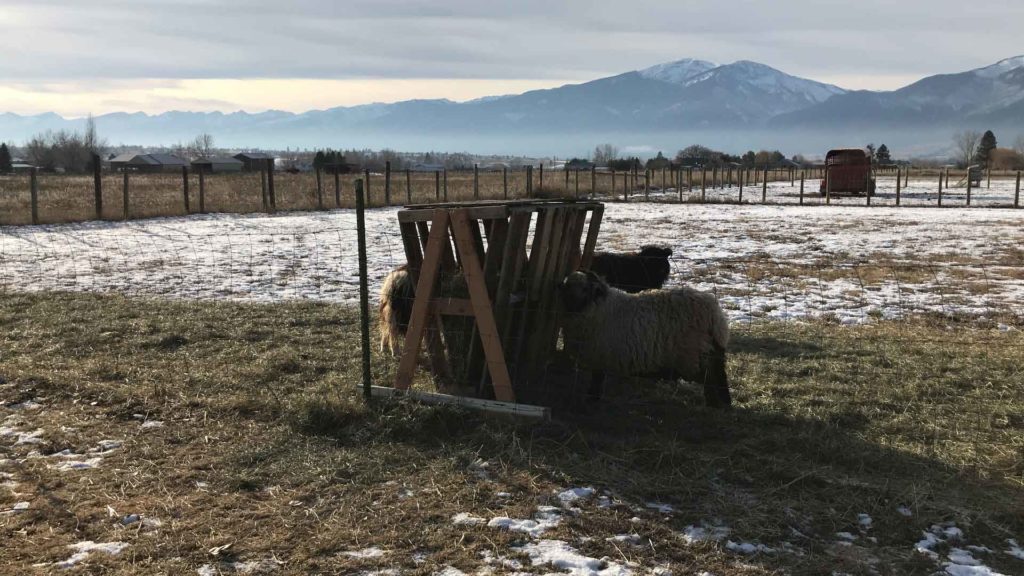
319	160
5	159
882	156
985	148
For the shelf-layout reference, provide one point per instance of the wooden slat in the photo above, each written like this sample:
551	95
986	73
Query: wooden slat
478	213
588	249
424	293
482	307
525	410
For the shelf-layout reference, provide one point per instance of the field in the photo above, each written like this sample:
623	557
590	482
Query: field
182	394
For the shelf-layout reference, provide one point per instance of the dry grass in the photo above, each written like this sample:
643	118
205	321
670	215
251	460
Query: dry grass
267	447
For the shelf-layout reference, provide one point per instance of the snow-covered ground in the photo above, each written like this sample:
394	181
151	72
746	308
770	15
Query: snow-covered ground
918	192
764	261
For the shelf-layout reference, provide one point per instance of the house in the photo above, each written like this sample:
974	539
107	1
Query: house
120	162
19	166
426	167
217	165
253	161
156	163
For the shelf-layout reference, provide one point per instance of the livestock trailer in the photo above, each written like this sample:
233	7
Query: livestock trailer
848	171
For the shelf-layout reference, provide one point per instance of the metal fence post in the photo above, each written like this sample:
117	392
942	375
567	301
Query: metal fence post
364	290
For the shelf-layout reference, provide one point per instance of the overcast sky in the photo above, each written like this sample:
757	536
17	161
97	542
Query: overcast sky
75	57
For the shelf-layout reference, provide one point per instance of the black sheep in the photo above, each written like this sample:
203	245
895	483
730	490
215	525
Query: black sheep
634	272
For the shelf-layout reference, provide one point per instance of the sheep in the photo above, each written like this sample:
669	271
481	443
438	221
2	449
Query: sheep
633	273
676	333
396	298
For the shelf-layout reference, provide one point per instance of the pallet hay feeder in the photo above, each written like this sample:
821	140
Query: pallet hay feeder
511	257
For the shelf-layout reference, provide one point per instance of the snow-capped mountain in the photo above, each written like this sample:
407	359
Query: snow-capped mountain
993	94
684	96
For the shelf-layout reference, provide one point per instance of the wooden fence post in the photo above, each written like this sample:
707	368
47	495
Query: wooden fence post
739	179
319	189
366	187
703	182
576	177
528	188
184	189
867	188
764	187
593	181
437	184
504	181
968	185
202	191
33	187
476	181
364	290
337	186
387	183
263	188
899	175
988	173
444	173
408	187
940	188
540	182
565	171
801	188
271	195
1016	194
828	188
97	184
124	205
647	184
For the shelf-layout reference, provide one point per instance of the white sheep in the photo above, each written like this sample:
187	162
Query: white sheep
676	333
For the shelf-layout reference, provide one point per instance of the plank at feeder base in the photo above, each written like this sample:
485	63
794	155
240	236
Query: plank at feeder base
527	410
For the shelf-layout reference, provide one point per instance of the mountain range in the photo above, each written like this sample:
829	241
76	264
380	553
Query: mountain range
739	105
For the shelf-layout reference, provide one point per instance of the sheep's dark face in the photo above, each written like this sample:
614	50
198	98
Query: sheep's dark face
580	290
656	265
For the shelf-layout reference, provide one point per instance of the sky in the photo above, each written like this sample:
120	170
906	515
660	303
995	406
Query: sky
75	57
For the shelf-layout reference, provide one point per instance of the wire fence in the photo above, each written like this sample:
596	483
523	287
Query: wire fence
54	198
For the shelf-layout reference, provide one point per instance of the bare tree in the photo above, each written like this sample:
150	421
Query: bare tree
201	146
605	153
966	145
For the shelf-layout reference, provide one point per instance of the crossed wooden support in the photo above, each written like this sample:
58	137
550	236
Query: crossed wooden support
510	290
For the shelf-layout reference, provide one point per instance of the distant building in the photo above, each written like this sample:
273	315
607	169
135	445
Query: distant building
19	166
217	165
120	163
156	163
253	161
426	167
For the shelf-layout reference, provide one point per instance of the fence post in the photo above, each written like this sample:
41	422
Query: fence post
801	188
366	186
739	181
593	181
764	187
899	176
528	186
968	185
1016	194
364	289
792	175
947	178
97	184
576	179
940	188
184	189
504	181
444	173
202	191
337	186
263	188
319	189
540	182
34	193
703	182
828	188
387	183
988	175
647	184
124	206
437	184
476	181
408	187
867	188
271	196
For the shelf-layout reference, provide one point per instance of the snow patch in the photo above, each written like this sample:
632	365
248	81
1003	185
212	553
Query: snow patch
546	518
706	532
372	552
87	547
466	519
567	559
572	495
748	548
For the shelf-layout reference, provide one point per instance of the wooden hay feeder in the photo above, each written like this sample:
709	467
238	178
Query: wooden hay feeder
511	304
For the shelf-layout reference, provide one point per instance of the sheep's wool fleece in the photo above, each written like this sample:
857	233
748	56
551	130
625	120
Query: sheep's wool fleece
647	332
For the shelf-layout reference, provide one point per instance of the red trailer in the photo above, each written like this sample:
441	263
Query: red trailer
848	171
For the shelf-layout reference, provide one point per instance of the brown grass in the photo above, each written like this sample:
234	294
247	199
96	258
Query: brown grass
260	404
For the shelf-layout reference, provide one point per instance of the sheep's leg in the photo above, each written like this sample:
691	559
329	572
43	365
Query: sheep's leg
716	381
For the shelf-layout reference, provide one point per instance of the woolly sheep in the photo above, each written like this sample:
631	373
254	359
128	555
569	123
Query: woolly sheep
396	298
677	333
634	272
